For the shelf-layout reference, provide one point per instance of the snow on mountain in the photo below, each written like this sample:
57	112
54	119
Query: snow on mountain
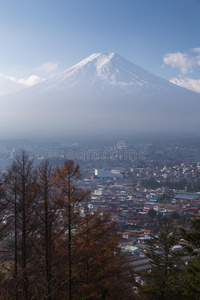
107	70
104	94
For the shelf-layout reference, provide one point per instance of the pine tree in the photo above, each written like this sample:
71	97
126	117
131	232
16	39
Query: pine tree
190	277
192	238
164	272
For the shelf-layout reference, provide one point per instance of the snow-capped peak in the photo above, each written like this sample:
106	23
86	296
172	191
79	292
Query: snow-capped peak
99	58
106	70
103	94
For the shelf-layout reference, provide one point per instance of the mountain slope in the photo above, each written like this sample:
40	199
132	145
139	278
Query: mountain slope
107	70
102	95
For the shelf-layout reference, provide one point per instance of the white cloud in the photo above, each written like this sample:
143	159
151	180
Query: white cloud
188	83
186	62
180	60
197	50
48	67
32	80
10	84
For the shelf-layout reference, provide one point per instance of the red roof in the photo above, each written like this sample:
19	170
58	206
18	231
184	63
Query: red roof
196	208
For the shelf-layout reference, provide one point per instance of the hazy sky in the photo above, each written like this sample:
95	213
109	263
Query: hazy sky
44	37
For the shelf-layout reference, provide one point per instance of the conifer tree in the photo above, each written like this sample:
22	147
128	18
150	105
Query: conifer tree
190	277
164	261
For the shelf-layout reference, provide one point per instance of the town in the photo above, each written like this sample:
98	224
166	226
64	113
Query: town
136	184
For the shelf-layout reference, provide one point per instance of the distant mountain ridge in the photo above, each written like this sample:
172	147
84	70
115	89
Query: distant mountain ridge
104	94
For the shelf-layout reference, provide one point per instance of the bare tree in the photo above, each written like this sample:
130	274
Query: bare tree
20	188
59	254
48	228
69	196
104	272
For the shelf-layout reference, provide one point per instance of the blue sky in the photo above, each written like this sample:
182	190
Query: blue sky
44	37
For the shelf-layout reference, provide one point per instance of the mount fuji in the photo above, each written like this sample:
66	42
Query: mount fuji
104	94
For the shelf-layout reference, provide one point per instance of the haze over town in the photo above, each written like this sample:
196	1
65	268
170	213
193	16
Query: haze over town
99	149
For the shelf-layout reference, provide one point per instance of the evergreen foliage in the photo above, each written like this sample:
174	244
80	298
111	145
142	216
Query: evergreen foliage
153	183
162	278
